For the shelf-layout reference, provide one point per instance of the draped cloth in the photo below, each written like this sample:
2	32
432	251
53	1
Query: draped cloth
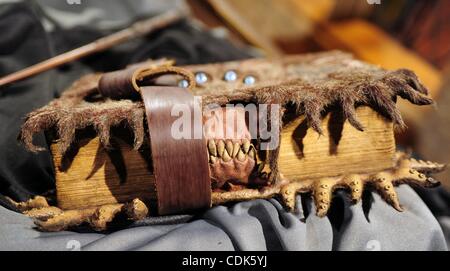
32	33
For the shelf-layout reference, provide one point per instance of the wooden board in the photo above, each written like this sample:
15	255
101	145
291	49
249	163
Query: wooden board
94	177
340	150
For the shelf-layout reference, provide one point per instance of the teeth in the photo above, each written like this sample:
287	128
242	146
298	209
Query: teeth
227	151
212	147
226	157
236	149
260	167
251	153
220	148
246	145
241	156
213	159
229	147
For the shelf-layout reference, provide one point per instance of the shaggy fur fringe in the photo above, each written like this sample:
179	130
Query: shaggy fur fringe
312	83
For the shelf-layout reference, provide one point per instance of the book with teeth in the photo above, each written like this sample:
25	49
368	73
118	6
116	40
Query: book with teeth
332	119
95	175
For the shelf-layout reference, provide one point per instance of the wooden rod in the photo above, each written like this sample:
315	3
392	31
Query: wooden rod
138	29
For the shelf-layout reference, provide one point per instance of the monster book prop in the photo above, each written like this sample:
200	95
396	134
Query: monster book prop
114	154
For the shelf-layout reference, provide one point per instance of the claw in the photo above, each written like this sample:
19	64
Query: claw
348	107
44	213
408	93
412	176
37	202
426	167
323	192
35	123
66	219
136	210
412	80
393	112
386	104
312	112
290	190
356	185
384	186
432	182
54	219
137	124
103	131
66	132
103	215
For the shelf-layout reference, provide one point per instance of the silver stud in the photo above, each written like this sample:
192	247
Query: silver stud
183	83
201	78
230	76
249	80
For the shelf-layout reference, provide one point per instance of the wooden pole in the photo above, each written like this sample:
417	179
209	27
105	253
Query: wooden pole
138	29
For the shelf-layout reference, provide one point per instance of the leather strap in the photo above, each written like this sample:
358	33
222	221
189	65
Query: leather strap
126	83
119	84
180	166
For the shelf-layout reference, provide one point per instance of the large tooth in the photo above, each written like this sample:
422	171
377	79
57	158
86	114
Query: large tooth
246	145
212	147
236	149
260	167
241	156
229	147
251	153
213	159
226	157
220	148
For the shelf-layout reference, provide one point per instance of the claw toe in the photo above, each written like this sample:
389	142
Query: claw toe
322	196
290	190
385	187
356	185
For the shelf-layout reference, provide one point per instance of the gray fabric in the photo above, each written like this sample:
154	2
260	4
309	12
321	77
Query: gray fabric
444	221
95	13
255	225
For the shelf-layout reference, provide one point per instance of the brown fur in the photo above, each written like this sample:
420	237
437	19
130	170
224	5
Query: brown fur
311	82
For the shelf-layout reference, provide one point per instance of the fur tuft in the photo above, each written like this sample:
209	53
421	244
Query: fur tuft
311	82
